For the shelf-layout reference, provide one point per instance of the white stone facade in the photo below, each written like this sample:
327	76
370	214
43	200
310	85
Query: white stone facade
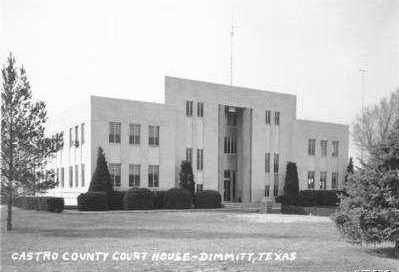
241	175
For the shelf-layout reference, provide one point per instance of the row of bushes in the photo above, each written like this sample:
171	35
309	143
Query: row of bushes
144	199
308	198
51	204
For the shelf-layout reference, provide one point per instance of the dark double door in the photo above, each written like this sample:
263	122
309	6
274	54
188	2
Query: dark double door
229	185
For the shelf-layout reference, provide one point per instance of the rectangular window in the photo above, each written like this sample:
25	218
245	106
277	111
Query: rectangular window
323	180
82	133
76	176
323	147
230	145
335	148
153	176
311	180
189	154
58	176
153	135
199	187
62	177
267	117
200	159
200	109
334	180
82	173
276	184
230	116
114	132
267	162
276	162
70	138
76	136
134	175
312	147
189	108
277	118
115	172
134	133
70	176
267	190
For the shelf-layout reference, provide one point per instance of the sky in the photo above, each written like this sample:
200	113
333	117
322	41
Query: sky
124	49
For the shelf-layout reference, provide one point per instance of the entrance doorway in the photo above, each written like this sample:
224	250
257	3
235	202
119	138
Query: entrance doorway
229	185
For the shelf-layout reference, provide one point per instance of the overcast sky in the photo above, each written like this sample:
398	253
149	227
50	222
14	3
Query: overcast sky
313	49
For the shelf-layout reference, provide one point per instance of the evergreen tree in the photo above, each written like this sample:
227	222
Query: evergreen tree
101	179
186	177
25	150
349	169
291	185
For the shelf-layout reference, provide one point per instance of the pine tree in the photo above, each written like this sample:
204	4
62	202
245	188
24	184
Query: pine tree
291	185
349	169
25	150
101	179
186	176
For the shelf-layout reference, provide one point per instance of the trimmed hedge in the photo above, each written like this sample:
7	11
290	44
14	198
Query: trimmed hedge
116	200
178	198
93	201
51	204
208	199
159	199
309	198
138	199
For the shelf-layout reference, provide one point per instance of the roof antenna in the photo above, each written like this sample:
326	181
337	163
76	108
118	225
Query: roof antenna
231	46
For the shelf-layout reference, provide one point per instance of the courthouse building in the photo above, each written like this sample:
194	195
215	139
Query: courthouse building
238	140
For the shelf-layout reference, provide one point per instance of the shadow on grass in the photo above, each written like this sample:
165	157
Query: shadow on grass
141	233
385	252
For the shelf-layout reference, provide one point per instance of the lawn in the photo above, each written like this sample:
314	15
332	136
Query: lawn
279	242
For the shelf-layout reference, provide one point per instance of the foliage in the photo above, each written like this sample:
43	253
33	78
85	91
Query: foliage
159	199
349	169
208	199
25	150
101	179
178	198
51	204
291	185
93	201
186	177
116	200
138	199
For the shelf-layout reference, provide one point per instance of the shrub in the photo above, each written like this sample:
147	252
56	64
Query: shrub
93	201
208	199
186	177
309	198
101	179
178	198
159	199
51	204
138	199
291	185
116	201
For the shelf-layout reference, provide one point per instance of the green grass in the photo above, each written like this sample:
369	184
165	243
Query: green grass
315	241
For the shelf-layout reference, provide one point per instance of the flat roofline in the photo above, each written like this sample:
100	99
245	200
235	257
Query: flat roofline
232	87
131	101
322	123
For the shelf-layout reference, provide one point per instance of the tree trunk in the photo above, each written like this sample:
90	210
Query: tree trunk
9	211
396	252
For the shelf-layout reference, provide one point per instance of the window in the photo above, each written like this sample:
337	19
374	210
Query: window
230	116
115	172
277	118
76	136
276	184
267	162
76	176
70	138
62	177
323	147
134	133
153	135
199	187
200	109
335	148
70	176
323	180
311	180
267	190
153	176
189	108
115	132
276	162
82	173
82	133
58	176
134	175
189	154
267	117
230	145
200	159
334	180
311	147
